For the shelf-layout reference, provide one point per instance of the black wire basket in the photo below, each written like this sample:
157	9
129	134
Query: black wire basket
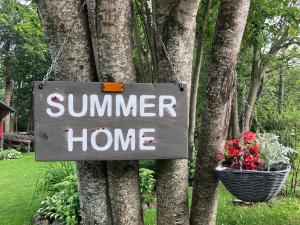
252	185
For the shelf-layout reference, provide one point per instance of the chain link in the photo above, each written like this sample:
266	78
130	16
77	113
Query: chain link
177	75
61	48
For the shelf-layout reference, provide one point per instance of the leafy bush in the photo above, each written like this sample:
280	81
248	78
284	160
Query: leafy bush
63	205
274	153
147	184
60	183
8	154
55	174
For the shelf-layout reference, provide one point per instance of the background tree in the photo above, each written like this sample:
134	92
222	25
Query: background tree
221	82
24	57
272	26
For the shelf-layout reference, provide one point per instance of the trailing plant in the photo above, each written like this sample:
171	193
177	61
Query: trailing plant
8	154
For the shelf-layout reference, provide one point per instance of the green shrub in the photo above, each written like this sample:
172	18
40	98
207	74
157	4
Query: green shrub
147	184
55	174
8	154
62	203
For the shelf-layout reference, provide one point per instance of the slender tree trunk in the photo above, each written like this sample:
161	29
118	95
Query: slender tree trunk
176	23
234	117
110	28
77	64
281	91
7	99
195	80
8	83
221	82
258	74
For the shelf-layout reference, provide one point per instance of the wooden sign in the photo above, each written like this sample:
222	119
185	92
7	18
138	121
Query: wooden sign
80	121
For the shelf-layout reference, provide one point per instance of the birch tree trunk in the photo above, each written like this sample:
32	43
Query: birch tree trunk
221	82
110	27
176	22
77	64
195	79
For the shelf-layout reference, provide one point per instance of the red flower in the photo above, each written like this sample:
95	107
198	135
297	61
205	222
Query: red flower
233	141
248	153
255	149
249	137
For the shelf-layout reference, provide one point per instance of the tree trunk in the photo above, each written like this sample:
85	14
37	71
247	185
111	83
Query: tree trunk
281	91
8	83
221	82
7	99
110	28
195	80
234	117
77	64
258	73
176	23
256	78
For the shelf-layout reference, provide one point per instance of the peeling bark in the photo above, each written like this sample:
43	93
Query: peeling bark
221	82
176	22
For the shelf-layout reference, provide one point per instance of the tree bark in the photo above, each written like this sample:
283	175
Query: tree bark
195	79
77	64
7	99
110	27
8	84
176	23
234	117
254	88
221	82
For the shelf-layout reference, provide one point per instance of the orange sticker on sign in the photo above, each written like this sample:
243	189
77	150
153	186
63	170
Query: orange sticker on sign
112	87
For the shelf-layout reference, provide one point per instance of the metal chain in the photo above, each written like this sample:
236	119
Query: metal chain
177	75
58	54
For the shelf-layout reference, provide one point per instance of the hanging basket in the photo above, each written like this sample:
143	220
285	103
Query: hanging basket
252	185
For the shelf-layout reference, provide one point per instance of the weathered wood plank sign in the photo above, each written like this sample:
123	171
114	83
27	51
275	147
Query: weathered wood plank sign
79	121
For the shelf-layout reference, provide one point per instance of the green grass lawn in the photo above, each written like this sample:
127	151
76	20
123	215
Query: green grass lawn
281	211
18	179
